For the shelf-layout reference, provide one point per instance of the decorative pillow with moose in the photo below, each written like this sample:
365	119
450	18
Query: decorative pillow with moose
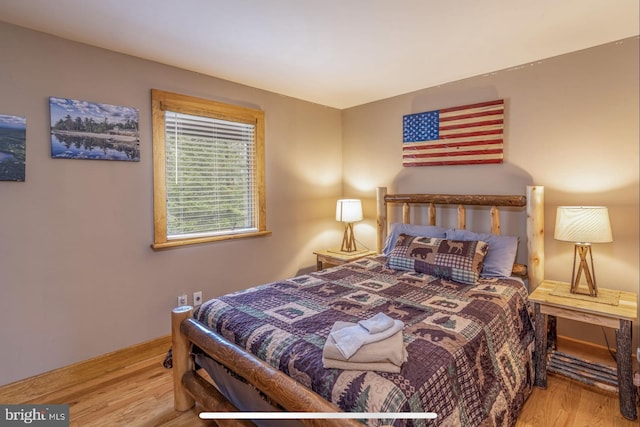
456	260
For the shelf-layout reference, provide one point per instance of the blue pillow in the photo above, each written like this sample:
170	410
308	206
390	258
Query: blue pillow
502	251
398	228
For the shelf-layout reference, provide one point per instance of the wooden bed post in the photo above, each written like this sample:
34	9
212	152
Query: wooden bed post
406	213
431	214
462	217
535	235
180	345
381	209
495	220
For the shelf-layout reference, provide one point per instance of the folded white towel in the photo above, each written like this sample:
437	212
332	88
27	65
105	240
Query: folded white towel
350	339
390	350
378	323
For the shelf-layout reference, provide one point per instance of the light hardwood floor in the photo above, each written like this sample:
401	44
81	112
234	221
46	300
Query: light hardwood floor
132	388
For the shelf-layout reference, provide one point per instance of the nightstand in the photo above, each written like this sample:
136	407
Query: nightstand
550	300
334	257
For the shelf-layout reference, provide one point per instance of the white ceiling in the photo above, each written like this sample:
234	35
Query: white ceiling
338	53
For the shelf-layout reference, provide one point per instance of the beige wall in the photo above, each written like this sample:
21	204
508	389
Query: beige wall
571	125
77	275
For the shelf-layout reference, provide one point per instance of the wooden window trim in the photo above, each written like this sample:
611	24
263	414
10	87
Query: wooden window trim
161	101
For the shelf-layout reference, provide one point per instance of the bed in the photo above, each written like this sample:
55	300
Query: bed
468	335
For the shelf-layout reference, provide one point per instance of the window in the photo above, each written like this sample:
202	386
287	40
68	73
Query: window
208	170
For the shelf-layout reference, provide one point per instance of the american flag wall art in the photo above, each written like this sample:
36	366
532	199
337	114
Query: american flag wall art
466	135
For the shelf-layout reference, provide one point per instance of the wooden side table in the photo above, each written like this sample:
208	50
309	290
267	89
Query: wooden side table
618	317
335	257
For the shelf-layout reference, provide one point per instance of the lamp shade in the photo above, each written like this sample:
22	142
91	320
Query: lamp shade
583	224
349	210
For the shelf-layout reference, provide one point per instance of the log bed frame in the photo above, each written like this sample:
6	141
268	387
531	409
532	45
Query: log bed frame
190	387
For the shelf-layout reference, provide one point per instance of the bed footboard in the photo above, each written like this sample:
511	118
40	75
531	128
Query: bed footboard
190	387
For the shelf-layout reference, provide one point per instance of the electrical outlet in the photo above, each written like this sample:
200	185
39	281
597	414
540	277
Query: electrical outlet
197	298
182	300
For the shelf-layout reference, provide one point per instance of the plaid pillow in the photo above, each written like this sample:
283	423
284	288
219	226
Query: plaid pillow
456	260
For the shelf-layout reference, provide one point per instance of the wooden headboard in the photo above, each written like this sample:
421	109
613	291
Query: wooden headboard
533	202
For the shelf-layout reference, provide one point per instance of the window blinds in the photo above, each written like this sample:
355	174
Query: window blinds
210	176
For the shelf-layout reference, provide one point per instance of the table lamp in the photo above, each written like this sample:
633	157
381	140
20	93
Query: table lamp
583	225
348	211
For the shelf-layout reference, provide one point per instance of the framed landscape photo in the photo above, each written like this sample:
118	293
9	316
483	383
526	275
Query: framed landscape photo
93	131
13	138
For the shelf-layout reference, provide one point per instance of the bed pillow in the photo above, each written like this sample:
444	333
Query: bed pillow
398	228
502	251
456	260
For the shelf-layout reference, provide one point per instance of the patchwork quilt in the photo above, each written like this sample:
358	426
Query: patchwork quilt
469	346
